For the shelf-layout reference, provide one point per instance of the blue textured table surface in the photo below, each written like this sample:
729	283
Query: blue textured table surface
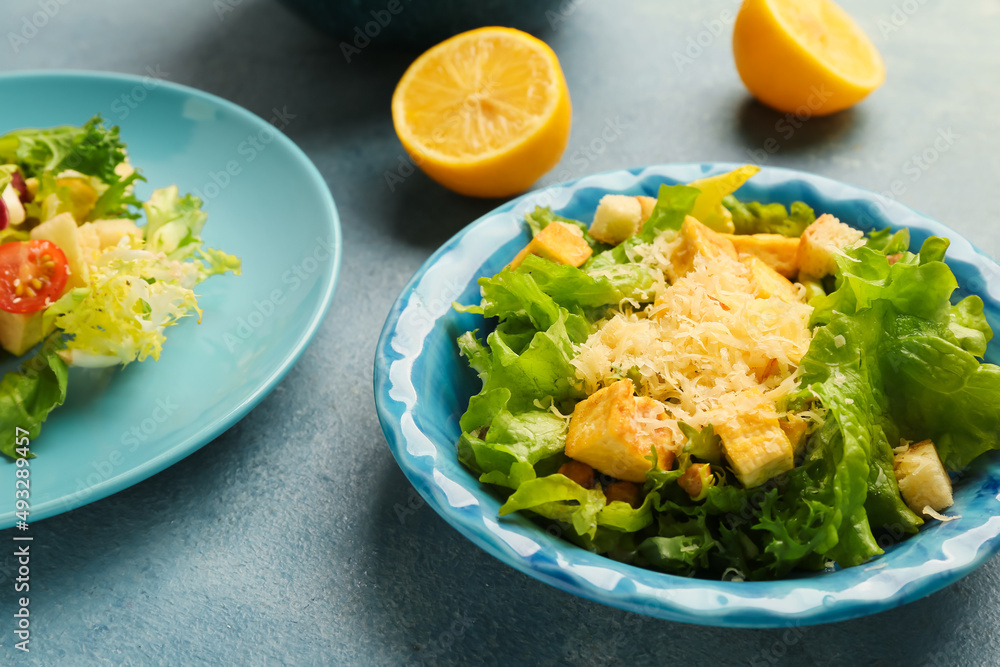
294	537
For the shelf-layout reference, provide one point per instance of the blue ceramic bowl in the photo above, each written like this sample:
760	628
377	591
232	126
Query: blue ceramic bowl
422	387
421	24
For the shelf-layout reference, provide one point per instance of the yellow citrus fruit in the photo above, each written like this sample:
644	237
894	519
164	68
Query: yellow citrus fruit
485	113
804	56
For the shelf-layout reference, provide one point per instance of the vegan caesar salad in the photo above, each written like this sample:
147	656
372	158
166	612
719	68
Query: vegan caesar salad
90	276
726	389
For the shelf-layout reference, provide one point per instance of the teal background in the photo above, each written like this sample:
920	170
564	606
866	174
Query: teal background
294	538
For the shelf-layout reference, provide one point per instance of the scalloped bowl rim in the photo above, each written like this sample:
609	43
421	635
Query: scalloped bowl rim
952	549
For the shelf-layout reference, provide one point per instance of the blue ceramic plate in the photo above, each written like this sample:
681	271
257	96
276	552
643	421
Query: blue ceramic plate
422	387
266	203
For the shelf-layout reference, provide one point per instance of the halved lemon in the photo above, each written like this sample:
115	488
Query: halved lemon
807	57
485	113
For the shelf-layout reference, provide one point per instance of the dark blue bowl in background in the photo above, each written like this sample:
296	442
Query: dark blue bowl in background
419	24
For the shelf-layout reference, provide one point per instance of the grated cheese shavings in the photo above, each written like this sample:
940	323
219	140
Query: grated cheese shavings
708	349
931	512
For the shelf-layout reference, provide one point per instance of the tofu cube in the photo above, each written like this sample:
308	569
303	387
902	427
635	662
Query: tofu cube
613	431
617	218
62	231
559	242
923	481
821	242
756	445
769	282
777	251
697	240
19	332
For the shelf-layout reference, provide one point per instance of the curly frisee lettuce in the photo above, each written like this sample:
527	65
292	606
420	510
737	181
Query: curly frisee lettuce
129	279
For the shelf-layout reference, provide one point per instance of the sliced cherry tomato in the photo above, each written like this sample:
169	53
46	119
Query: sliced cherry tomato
32	275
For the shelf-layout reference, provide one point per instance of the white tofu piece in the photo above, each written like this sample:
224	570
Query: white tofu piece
923	481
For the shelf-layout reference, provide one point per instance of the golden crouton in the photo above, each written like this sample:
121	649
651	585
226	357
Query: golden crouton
821	242
755	444
922	479
777	251
617	218
769	282
581	473
693	479
558	242
613	431
625	492
647	204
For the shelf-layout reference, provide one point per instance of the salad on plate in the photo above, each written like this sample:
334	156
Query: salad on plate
737	390
90	276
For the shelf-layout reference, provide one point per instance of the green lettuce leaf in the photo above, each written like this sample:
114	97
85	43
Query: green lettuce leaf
573	288
673	204
757	218
28	395
118	200
560	498
91	149
893	357
527	437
